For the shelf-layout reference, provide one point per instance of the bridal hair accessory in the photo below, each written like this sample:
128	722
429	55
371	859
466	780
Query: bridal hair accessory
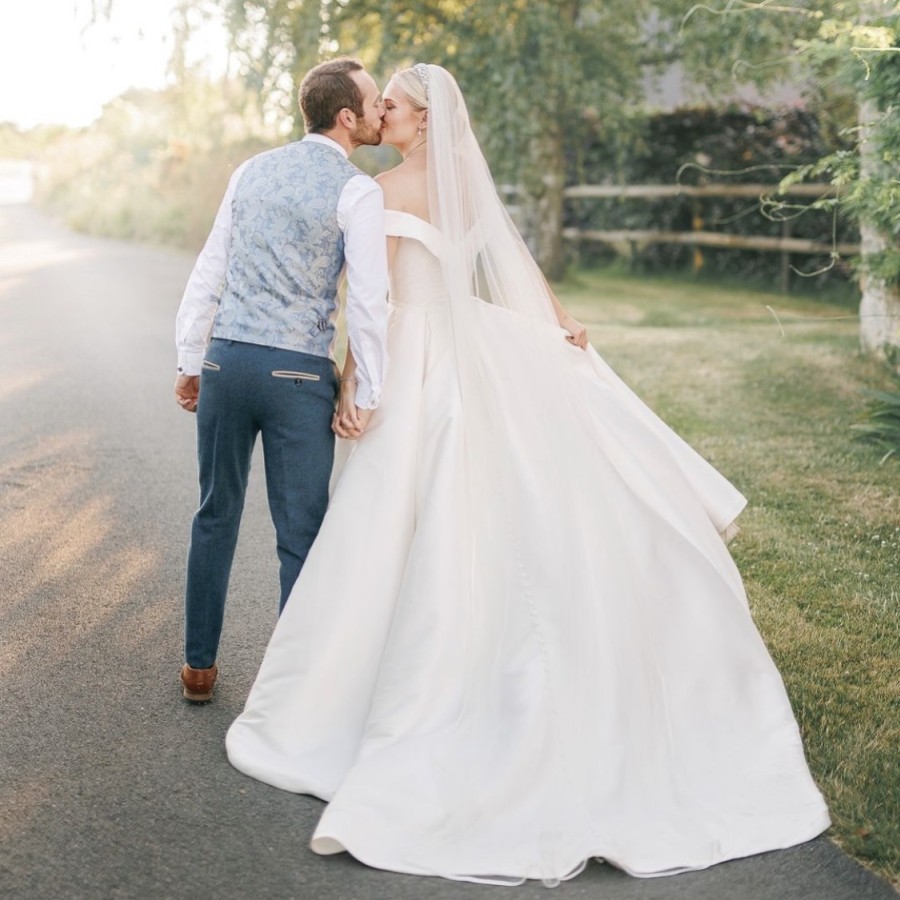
422	71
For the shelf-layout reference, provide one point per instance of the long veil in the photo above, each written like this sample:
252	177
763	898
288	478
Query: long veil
485	254
485	259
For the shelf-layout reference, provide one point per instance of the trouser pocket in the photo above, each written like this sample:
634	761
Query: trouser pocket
295	376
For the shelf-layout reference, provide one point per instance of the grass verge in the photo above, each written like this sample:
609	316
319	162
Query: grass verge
771	406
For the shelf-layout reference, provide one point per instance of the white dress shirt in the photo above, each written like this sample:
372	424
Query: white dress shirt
360	216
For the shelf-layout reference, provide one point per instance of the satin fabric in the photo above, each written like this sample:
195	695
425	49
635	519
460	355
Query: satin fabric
519	640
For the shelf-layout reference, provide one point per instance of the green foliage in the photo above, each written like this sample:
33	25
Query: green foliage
536	75
701	146
850	52
548	71
853	53
820	547
524	66
153	167
863	57
275	42
729	43
882	422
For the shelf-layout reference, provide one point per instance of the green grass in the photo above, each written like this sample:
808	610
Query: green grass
820	545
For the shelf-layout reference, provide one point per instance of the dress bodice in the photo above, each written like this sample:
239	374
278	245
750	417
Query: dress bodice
416	276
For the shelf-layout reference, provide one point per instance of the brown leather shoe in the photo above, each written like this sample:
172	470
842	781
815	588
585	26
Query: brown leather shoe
198	683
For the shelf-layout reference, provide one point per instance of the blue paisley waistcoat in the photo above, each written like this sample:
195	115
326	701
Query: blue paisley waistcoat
287	250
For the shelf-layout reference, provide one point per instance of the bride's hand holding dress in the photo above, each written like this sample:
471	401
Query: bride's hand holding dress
577	333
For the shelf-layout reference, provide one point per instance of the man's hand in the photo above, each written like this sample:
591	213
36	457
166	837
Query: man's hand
351	423
349	420
187	392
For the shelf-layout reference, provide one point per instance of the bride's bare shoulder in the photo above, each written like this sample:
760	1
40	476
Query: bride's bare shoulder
404	190
396	183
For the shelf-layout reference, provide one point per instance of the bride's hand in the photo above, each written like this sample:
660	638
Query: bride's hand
349	422
350	425
577	335
345	399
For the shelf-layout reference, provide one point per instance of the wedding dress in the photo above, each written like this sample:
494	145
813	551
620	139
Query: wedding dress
519	640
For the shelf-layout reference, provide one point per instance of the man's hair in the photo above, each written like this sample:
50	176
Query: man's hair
328	88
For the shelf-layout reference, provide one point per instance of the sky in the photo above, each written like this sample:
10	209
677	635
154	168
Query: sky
56	67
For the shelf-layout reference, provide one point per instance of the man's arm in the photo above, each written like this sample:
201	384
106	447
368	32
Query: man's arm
361	216
199	302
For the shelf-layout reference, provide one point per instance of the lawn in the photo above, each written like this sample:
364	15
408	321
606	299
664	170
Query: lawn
771	406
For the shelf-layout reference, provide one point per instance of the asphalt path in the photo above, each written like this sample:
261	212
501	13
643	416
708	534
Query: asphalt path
110	785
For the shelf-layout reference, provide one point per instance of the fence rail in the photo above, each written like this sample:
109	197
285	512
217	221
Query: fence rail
698	237
710	239
656	191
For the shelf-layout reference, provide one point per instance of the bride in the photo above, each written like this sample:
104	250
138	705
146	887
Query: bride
519	640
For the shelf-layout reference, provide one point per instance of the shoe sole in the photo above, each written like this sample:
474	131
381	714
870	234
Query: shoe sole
191	697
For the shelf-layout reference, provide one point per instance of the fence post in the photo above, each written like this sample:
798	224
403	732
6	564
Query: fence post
785	281
697	225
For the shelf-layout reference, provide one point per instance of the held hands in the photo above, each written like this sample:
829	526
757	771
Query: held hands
187	392
577	335
349	420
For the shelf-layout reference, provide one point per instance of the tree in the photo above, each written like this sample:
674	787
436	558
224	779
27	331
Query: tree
876	198
531	72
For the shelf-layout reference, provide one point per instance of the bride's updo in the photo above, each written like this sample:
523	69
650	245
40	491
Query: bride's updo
433	88
411	84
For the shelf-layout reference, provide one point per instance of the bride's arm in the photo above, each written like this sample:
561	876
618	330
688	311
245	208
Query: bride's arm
347	421
577	332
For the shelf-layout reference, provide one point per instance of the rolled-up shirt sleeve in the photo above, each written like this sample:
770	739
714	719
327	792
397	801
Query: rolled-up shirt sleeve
204	287
361	217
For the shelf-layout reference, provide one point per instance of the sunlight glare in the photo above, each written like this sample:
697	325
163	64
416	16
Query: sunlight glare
57	67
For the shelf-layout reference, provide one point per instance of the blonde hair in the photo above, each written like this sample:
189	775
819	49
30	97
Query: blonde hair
411	85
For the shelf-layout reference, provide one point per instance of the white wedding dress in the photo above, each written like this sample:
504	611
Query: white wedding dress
519	640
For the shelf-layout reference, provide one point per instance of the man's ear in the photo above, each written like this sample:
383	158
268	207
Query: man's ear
347	118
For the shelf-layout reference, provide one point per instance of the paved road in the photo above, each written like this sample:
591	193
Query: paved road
110	787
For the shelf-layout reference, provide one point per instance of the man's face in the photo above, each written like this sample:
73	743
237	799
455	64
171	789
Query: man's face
368	127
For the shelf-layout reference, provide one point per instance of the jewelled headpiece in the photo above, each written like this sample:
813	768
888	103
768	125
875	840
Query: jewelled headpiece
422	72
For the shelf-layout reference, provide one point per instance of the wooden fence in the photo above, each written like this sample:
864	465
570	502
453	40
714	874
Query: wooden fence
698	237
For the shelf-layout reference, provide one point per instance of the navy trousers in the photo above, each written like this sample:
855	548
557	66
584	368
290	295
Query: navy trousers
289	398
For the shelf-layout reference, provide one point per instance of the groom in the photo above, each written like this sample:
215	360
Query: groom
255	333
